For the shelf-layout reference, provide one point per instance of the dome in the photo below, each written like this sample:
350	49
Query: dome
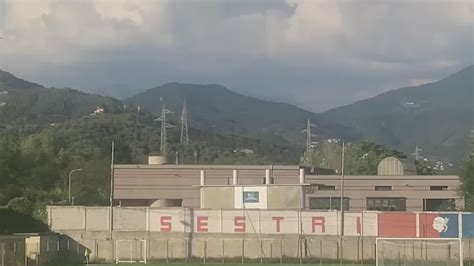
396	166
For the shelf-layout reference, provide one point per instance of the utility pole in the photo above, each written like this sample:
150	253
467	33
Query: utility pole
184	124
164	126
308	136
214	133
342	201
138	114
112	188
233	135
69	183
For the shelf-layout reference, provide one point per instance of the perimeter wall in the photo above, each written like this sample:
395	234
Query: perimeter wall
181	233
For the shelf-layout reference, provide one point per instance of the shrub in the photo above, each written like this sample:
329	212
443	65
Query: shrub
21	205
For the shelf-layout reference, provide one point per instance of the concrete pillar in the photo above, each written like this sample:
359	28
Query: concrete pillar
234	177
202	178
302	177
267	177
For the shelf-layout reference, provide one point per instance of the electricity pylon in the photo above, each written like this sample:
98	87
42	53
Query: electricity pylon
184	124
417	153
309	135
164	126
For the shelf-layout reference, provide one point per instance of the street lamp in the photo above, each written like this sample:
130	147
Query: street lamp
70	173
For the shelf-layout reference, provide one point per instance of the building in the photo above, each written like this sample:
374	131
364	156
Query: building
396	187
176	185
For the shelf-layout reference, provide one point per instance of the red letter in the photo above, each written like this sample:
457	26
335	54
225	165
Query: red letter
319	221
239	224
277	220
165	223
358	225
201	223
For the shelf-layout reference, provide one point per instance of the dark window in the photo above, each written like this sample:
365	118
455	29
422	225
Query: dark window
383	188
438	187
328	203
386	204
323	187
439	205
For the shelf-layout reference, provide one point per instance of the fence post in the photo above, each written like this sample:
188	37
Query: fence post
271	250
3	255
321	252
243	250
185	251
205	250
167	250
362	237
281	250
223	250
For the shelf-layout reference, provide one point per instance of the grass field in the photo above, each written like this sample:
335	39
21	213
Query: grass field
236	264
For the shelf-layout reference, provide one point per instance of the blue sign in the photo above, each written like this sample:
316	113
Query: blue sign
447	225
251	197
468	225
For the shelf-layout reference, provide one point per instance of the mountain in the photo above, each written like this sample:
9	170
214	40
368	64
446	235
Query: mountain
24	102
436	116
214	106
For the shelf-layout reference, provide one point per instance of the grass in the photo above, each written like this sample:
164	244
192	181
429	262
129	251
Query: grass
232	264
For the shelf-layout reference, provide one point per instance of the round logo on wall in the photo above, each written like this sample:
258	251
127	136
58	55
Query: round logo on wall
440	224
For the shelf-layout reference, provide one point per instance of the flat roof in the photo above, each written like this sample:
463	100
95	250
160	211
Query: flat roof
383	177
205	167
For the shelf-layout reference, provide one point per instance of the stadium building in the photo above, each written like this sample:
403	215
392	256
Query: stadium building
396	187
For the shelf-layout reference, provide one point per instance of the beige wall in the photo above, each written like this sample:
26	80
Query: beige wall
217	197
232	248
285	197
274	196
179	181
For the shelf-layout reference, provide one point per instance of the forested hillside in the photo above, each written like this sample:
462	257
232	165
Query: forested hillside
437	117
26	103
214	106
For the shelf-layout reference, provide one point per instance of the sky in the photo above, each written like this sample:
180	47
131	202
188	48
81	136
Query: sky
317	54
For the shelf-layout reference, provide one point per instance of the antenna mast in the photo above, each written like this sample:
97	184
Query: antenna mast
164	126
184	124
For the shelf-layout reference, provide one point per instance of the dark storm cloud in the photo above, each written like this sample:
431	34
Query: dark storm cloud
317	54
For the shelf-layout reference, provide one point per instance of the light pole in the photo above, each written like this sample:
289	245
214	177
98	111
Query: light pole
69	182
342	202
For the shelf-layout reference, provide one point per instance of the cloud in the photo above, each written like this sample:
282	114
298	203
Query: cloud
317	54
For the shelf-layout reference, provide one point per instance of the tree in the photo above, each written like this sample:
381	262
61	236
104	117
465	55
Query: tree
467	179
361	158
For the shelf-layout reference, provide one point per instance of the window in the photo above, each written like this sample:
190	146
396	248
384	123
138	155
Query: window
435	188
324	187
439	204
328	203
383	188
386	204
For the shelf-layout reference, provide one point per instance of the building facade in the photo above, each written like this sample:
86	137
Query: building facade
384	193
395	188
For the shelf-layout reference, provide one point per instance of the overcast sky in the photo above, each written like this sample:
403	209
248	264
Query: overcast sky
317	54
